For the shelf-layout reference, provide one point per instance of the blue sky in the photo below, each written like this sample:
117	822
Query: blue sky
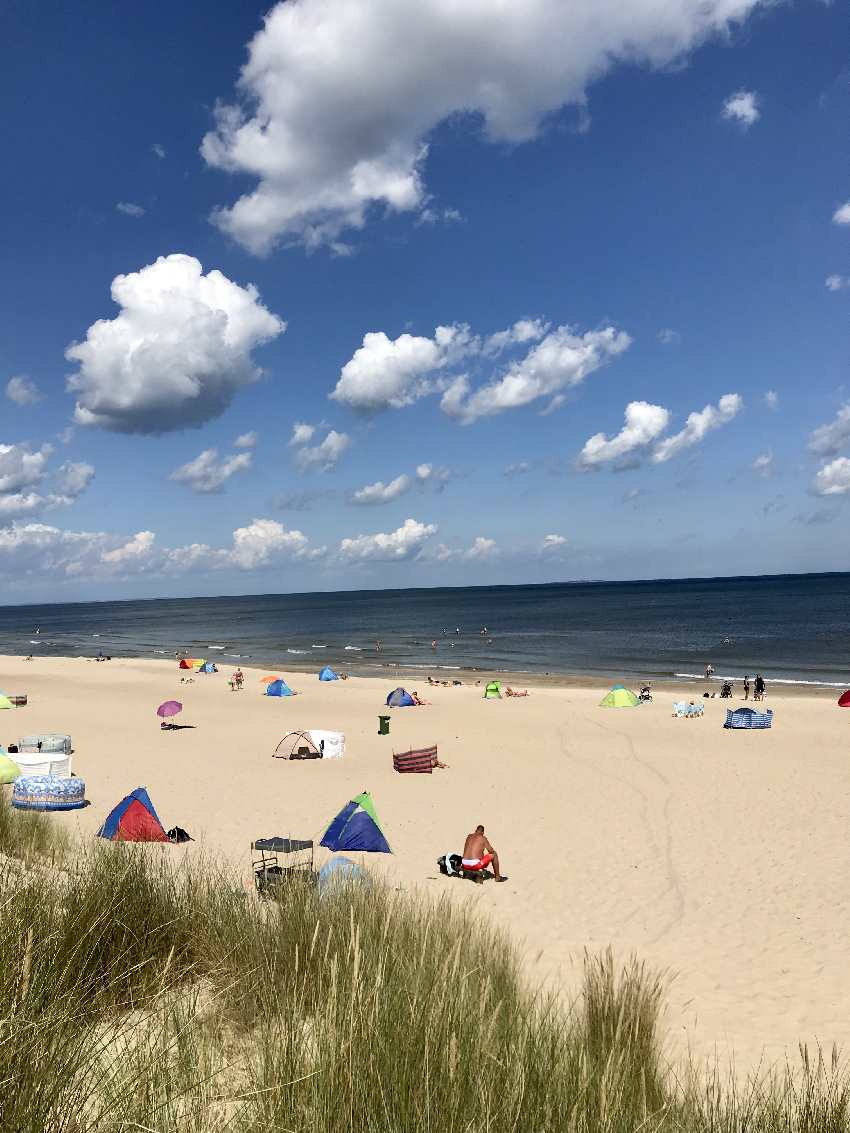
647	198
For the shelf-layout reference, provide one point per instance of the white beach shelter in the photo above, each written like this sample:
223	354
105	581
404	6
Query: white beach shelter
330	744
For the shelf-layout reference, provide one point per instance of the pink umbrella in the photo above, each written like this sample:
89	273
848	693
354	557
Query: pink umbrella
169	708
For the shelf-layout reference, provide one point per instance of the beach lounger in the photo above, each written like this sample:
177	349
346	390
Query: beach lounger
419	762
44	763
680	709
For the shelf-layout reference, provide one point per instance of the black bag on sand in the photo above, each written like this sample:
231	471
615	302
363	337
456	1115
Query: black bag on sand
177	835
449	864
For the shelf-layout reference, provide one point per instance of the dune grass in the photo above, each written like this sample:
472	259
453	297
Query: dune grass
139	996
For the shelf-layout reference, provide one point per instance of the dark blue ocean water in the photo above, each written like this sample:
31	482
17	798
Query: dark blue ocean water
791	627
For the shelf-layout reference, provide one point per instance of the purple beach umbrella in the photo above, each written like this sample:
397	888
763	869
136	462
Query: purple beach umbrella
169	708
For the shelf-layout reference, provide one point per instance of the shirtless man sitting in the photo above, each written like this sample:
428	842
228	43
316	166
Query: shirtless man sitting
478	853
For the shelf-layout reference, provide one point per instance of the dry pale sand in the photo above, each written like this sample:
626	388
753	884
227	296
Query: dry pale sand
719	856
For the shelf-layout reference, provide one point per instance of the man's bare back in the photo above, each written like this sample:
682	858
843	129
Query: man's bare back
477	849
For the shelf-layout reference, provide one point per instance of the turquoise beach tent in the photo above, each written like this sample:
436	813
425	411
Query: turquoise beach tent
356	827
327	674
278	688
208	667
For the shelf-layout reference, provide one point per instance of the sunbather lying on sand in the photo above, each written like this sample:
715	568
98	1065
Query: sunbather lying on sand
510	692
478	853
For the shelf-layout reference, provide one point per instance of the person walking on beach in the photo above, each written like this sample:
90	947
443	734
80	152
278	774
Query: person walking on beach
759	688
709	672
478	852
746	686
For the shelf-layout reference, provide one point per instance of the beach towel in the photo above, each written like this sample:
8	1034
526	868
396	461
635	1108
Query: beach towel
748	718
419	762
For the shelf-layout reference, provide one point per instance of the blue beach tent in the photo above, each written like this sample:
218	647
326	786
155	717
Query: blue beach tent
278	688
208	667
400	698
339	871
327	674
356	827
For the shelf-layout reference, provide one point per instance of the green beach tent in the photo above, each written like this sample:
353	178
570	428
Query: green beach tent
5	702
619	697
9	771
493	691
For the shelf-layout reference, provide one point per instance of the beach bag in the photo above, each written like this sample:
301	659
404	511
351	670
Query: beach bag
449	864
178	835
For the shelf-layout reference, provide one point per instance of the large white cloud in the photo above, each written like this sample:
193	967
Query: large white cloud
338	97
176	353
827	440
697	425
403	543
387	373
644	424
834	478
381	493
208	473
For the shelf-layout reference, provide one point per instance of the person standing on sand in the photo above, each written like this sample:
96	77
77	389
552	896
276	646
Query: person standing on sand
709	672
746	686
477	851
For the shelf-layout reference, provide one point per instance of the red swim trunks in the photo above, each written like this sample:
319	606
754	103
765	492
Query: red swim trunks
477	863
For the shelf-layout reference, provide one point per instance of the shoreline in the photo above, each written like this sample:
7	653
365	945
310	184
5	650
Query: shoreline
692	684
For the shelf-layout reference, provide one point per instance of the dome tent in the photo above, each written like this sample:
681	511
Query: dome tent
400	698
356	827
844	700
327	674
9	770
493	691
619	697
278	688
133	820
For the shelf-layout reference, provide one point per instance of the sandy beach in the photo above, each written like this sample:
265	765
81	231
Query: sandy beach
717	856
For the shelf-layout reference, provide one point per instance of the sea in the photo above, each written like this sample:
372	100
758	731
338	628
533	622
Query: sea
791	628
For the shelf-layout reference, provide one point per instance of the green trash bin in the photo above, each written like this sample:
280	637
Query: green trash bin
383	725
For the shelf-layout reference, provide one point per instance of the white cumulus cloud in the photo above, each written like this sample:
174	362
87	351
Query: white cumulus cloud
834	478
842	214
403	543
381	493
837	282
387	373
176	353
22	390
553	542
302	433
563	359
324	456
742	107
338	98
827	440
22	475
264	540
644	424
697	425
246	440
523	330
482	548
763	464
207	473
73	477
